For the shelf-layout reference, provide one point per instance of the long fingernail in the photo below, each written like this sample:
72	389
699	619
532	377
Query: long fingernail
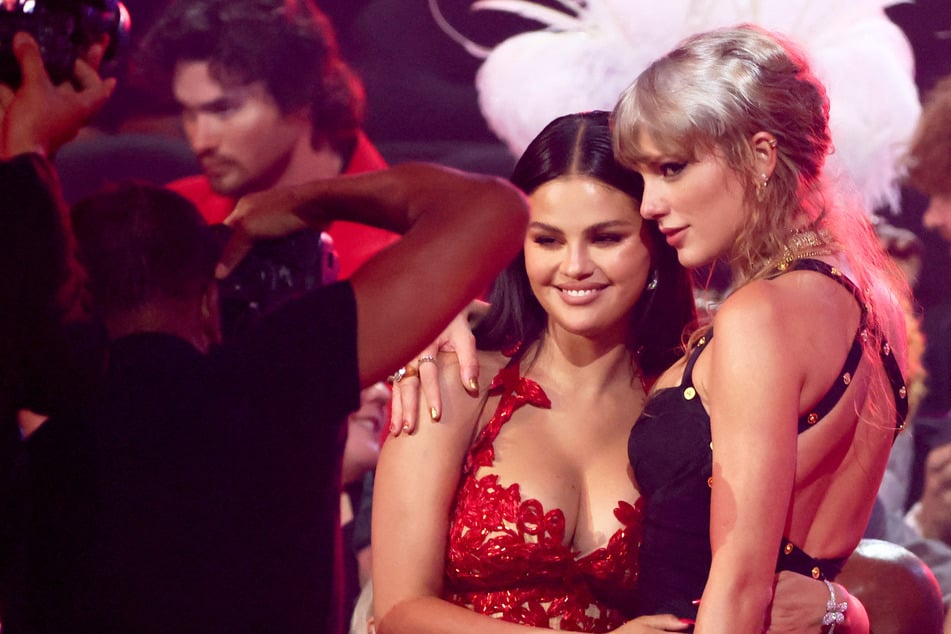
688	621
474	384
434	413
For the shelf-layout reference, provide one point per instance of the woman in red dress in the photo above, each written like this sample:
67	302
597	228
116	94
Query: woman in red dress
520	502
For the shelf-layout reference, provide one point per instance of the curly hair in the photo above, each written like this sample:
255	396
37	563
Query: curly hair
289	45
929	153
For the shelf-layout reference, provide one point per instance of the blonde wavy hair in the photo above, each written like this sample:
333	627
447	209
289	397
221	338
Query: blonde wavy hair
711	95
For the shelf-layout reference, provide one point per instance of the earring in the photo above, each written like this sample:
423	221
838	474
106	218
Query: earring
761	188
652	282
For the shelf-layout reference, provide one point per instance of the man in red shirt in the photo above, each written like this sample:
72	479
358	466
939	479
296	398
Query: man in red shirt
266	101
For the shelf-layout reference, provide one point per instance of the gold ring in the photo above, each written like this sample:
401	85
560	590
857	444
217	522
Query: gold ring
402	373
427	358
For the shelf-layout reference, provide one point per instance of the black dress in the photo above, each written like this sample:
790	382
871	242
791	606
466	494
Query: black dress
670	449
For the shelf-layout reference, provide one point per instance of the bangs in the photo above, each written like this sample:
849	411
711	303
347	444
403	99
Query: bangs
661	113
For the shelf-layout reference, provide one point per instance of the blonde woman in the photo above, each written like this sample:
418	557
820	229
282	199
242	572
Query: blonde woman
763	450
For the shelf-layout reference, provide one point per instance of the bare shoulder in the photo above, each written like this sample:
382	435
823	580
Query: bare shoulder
755	307
791	305
758	336
802	322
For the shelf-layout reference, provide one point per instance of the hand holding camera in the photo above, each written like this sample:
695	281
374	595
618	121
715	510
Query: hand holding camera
40	116
265	215
65	30
50	54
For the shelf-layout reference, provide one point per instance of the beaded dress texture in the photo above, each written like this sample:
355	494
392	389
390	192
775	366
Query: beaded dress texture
507	556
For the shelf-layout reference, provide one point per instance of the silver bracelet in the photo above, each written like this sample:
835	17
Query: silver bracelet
835	612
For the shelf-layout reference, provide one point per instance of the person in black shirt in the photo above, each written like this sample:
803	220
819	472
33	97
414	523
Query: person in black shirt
216	490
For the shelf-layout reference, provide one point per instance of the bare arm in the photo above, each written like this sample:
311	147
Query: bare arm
460	230
416	482
754	459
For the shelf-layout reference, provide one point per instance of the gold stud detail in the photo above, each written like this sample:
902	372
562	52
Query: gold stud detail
690	393
711	445
847	378
788	548
836	272
886	349
864	335
902	392
701	341
813	418
816	572
901	428
782	266
710	482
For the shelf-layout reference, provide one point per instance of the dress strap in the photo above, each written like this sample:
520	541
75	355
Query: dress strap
897	382
794	559
833	273
515	391
687	390
892	370
827	402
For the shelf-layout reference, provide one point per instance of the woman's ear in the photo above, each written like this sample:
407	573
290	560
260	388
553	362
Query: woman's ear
764	153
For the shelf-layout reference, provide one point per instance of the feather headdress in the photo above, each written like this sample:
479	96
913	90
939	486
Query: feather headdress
588	51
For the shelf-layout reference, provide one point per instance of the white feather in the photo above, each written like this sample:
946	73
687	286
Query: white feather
552	18
587	53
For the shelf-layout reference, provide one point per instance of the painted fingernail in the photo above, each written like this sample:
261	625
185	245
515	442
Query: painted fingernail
688	621
474	384
434	413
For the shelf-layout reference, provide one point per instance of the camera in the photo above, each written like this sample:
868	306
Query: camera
274	272
63	29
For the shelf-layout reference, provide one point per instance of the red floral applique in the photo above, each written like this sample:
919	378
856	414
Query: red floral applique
507	557
516	391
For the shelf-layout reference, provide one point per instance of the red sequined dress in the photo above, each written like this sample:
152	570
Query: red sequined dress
507	556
